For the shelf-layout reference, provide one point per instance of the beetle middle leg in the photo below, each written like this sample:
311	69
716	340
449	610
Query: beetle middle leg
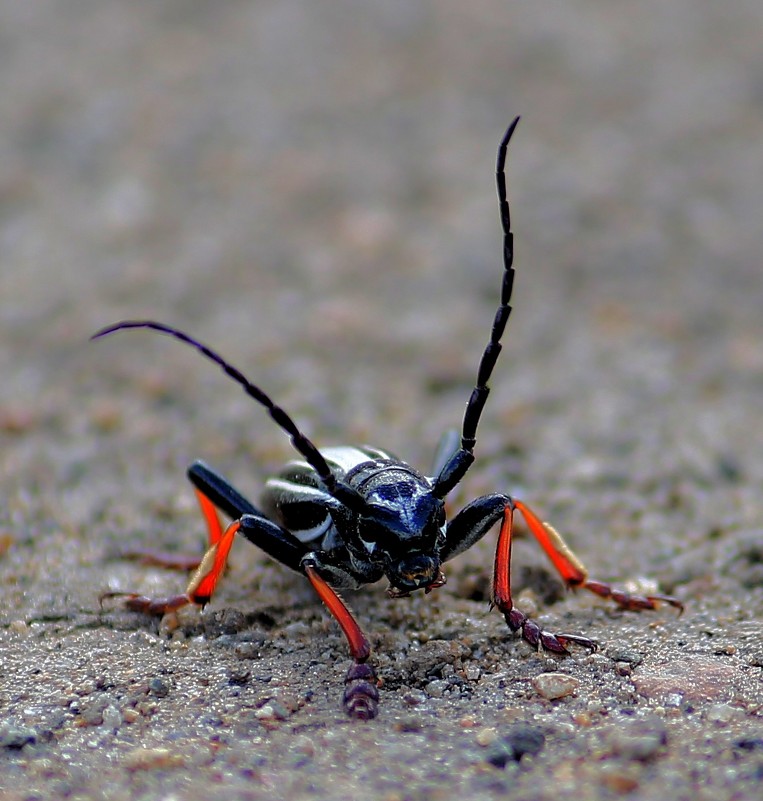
361	697
478	517
517	620
469	526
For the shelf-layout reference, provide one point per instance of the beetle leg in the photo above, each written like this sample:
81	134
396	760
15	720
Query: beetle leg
472	523
517	620
149	556
202	583
136	602
469	526
212	491
574	573
361	696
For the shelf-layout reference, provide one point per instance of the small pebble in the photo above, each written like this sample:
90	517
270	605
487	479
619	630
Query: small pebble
304	745
152	759
486	736
721	714
159	687
437	688
91	712
674	700
514	744
619	780
631	657
239	677
555	685
16	737
639	740
296	630
220	622
246	650
415	697
273	710
641	748
112	718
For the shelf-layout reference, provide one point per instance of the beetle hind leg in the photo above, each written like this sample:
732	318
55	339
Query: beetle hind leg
213	492
202	583
575	575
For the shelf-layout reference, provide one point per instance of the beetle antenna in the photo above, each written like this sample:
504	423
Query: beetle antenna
455	468
338	489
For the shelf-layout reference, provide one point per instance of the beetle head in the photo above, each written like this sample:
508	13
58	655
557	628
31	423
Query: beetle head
402	529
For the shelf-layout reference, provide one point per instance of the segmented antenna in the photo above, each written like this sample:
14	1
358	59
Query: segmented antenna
339	490
455	468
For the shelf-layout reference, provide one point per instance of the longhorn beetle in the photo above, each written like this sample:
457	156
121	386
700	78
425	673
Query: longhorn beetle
347	516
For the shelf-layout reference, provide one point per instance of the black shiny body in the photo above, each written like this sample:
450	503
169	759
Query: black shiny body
401	532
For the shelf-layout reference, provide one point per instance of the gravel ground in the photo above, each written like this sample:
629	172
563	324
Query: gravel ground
308	187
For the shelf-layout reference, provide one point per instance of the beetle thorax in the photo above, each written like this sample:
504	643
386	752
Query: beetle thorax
403	527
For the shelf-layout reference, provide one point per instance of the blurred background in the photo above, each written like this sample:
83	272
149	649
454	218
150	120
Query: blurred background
309	188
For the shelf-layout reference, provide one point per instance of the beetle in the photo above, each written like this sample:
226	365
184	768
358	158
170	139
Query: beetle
349	516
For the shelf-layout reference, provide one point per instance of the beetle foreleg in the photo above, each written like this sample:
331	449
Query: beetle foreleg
200	587
472	523
206	575
361	697
136	602
213	492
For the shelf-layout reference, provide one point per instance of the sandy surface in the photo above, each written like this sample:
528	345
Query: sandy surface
309	187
